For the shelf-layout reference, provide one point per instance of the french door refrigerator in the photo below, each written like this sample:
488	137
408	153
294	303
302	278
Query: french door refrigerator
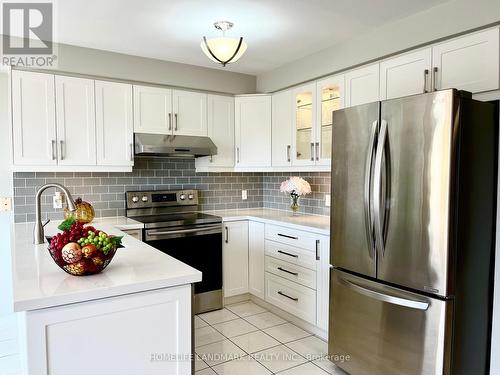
412	233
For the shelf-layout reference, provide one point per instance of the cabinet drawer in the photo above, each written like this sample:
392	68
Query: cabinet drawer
292	254
292	237
291	271
291	297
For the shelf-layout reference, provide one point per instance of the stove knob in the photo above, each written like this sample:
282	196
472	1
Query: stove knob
190	196
182	197
135	199
144	198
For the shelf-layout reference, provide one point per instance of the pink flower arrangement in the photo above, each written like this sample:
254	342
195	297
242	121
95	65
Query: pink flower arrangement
295	186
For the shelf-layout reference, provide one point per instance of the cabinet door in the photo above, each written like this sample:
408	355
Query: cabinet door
323	281
235	258
253	131
468	63
33	118
114	124
304	124
282	128
405	75
221	129
362	85
152	110
256	259
75	119
190	113
330	94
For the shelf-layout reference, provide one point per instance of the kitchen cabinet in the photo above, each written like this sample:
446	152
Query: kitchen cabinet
221	132
256	257
114	124
362	85
323	281
235	258
304	124
33	118
189	113
330	94
152	110
469	62
406	74
75	121
253	131
282	127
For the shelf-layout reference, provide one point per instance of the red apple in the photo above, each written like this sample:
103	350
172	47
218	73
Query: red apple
89	251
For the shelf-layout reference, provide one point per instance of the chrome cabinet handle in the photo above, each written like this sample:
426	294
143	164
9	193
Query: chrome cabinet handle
176	122
312	151
61	146
434	78
317	250
131	152
54	151
426	76
377	188
290	272
227	234
285	253
368	189
317	151
169	121
288	147
418	305
237	155
287	296
287	236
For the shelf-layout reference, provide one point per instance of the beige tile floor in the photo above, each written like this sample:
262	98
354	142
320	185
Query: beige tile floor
246	339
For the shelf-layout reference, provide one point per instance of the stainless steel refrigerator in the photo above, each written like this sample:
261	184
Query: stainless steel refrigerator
412	235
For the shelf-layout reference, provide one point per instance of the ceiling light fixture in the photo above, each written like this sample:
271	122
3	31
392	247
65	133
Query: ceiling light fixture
223	50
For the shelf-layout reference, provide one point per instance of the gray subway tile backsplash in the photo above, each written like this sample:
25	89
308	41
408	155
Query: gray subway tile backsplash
218	190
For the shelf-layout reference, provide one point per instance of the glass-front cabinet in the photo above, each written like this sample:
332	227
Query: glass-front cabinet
304	132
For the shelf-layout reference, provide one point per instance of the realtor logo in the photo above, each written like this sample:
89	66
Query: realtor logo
27	32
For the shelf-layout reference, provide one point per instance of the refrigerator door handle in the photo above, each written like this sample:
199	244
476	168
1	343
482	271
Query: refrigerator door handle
377	189
410	303
368	189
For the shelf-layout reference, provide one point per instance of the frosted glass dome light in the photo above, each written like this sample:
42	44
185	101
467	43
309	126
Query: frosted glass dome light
223	50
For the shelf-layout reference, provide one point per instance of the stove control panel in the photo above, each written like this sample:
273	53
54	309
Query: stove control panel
163	198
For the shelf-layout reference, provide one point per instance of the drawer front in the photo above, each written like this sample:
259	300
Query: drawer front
291	237
292	254
291	297
290	271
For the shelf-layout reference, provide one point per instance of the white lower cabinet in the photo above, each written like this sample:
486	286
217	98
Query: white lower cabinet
118	335
323	282
235	258
256	258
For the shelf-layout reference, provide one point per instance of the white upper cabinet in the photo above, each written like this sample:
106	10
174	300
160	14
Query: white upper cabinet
469	62
235	258
190	113
282	129
253	131
153	110
330	96
406	74
114	123
75	120
33	117
362	85
304	125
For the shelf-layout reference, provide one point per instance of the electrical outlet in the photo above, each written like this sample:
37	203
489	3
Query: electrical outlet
244	195
327	200
5	204
57	200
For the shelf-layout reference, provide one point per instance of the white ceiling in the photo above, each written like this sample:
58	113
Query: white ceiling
277	31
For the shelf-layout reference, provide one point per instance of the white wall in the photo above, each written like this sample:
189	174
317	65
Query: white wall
442	21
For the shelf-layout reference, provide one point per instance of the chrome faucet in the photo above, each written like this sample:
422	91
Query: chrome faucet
38	232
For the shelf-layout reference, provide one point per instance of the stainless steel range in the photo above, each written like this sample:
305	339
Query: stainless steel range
173	225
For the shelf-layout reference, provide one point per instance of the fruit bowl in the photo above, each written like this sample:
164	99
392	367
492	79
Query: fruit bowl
82	251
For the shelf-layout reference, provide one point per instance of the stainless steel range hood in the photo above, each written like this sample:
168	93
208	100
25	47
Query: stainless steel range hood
181	146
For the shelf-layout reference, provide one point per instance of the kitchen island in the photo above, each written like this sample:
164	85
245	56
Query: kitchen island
134	317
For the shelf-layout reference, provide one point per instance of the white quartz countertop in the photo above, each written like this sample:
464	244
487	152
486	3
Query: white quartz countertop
312	223
39	283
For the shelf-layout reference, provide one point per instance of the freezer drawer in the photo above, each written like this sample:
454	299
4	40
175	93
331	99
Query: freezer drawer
386	330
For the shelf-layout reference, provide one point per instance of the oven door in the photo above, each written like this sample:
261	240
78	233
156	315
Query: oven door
199	246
